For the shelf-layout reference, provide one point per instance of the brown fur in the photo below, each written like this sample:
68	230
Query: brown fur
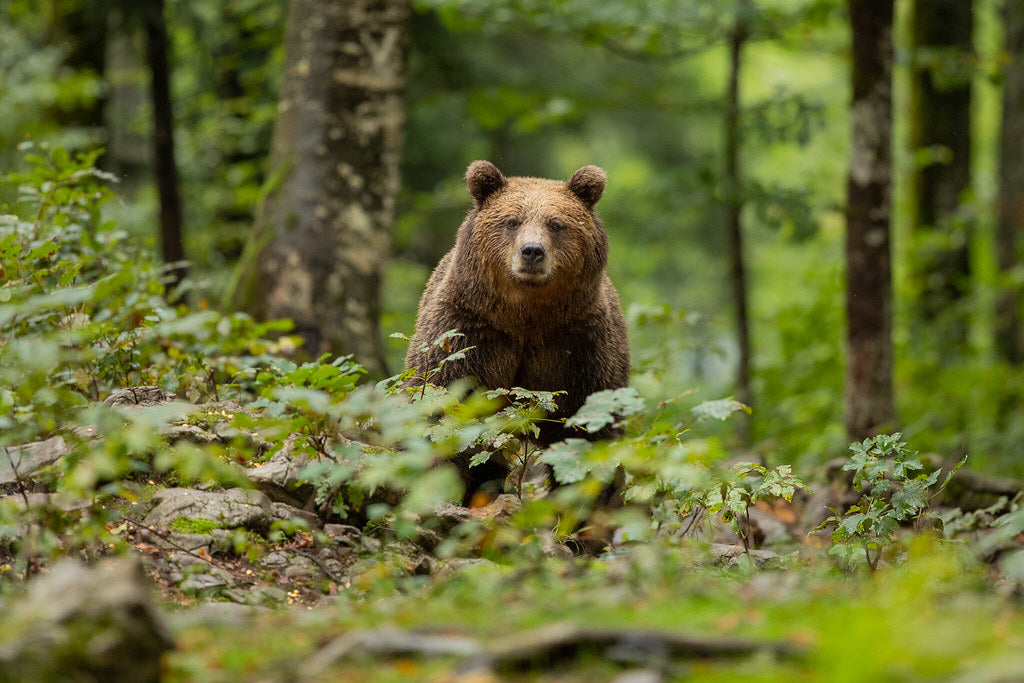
556	325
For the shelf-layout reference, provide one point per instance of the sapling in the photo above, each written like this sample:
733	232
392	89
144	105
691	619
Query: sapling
891	495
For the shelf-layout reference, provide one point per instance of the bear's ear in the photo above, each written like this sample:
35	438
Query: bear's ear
482	180
588	184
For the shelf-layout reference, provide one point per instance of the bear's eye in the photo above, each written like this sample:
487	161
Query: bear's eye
556	225
512	223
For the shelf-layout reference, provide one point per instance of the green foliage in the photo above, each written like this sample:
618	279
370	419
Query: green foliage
892	495
445	342
732	497
82	313
719	409
609	408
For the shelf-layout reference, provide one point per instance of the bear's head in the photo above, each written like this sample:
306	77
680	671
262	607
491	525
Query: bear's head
532	233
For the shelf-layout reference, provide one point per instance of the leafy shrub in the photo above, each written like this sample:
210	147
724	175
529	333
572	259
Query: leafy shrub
883	471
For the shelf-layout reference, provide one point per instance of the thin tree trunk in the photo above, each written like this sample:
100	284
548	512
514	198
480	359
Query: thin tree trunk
734	210
1009	341
318	252
164	167
869	393
941	133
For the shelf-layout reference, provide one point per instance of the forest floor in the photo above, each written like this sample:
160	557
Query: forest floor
241	596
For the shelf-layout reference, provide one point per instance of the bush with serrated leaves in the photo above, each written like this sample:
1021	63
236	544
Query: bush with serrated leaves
891	495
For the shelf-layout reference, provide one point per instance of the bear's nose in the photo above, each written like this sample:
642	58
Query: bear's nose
533	253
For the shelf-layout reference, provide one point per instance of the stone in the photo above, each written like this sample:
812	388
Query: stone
174	541
19	463
301	568
255	596
139	397
343	534
286	512
501	508
60	501
85	623
279	476
229	509
203	583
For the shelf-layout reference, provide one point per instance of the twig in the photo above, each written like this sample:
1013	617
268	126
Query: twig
319	563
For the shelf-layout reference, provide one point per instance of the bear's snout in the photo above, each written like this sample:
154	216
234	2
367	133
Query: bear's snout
533	253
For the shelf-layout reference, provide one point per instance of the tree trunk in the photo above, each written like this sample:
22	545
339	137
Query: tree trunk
941	136
734	210
869	394
164	167
1009	341
318	252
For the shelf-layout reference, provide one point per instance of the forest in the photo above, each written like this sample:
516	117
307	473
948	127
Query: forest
227	455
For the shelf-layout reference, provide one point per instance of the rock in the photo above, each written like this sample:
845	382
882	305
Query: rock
236	614
772	531
211	422
139	397
60	501
501	509
286	512
197	584
458	564
255	596
279	476
276	559
225	409
294	566
301	569
19	463
343	534
85	623
228	509
174	541
187	432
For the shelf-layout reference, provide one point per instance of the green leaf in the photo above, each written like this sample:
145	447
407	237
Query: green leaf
608	407
567	459
479	458
720	409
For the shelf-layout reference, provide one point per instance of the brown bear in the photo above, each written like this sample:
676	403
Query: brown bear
525	283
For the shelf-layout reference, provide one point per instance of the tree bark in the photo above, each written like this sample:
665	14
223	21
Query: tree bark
1008	340
941	134
734	211
869	393
164	167
318	252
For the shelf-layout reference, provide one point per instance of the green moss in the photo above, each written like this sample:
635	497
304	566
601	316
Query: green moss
207	418
193	525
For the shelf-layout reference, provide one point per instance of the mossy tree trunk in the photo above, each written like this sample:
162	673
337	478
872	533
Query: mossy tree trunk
1010	226
318	250
869	392
941	139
